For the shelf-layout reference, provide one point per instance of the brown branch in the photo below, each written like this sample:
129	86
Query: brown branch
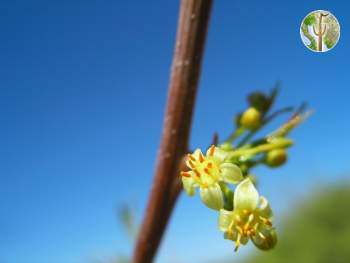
190	39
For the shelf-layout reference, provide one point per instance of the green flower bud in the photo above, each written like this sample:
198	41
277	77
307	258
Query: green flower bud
276	157
251	119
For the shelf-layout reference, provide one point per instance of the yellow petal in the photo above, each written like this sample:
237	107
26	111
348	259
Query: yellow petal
264	208
212	196
231	173
189	185
246	196
225	219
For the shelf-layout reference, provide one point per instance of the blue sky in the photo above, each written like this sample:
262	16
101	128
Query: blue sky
82	94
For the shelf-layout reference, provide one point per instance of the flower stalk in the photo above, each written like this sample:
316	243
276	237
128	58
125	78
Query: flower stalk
191	34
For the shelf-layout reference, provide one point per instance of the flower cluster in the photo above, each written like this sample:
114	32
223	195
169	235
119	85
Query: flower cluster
223	175
251	216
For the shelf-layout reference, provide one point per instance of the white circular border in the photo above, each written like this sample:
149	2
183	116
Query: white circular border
300	32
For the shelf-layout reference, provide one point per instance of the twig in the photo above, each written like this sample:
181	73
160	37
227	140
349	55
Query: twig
190	39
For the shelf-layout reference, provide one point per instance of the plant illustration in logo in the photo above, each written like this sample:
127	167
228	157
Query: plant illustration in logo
320	31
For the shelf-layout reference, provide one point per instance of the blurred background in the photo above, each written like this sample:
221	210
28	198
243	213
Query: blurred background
83	86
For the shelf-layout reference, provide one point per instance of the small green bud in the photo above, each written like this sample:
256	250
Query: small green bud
251	119
276	157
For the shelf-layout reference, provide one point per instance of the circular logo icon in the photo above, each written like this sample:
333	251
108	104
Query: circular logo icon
320	31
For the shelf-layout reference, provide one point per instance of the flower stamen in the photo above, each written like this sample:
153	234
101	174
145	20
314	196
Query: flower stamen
252	232
191	157
238	242
197	173
246	212
185	174
201	157
191	164
212	150
265	221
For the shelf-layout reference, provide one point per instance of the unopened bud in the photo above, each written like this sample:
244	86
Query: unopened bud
276	157
251	119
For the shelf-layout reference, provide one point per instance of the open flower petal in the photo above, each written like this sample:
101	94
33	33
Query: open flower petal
195	155
264	208
244	240
232	235
231	173
212	196
225	219
246	196
219	154
189	185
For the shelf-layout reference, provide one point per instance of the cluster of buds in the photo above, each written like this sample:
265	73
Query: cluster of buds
223	175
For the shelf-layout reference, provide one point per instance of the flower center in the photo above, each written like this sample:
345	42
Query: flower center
247	227
205	168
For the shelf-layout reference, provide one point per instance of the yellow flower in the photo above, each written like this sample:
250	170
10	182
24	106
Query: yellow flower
250	219
206	172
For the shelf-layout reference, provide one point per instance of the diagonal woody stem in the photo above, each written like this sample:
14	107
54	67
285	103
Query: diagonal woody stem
190	39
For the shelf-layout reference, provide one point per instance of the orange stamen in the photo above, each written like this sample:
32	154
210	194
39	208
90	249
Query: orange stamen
197	173
212	150
252	232
191	157
191	164
240	230
201	157
185	174
266	221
